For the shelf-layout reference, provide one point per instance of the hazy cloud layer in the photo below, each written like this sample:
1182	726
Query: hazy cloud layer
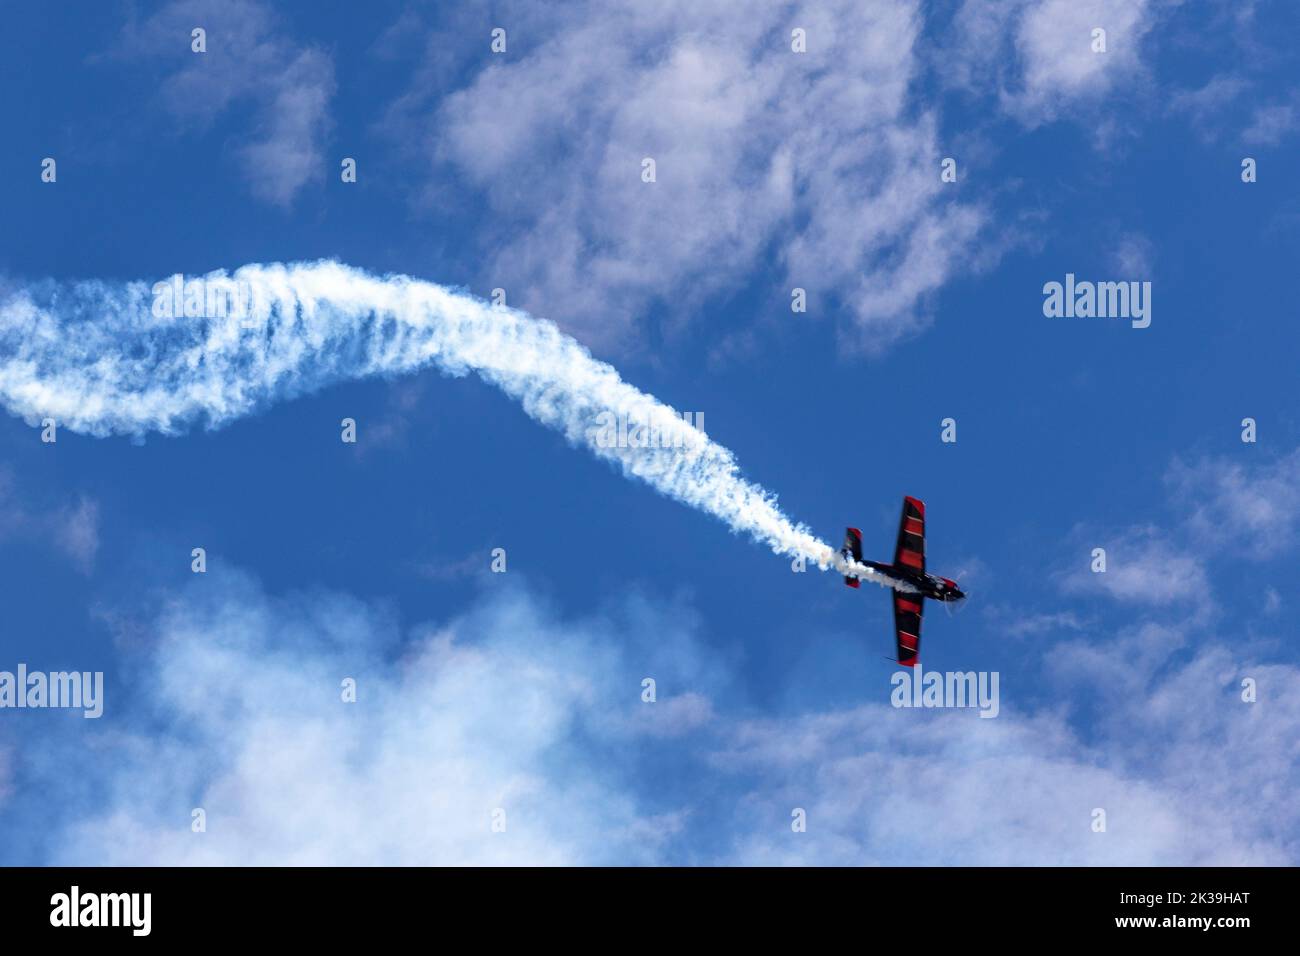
516	707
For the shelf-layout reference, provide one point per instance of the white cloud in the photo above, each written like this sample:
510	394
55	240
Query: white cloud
816	162
514	706
249	59
1039	53
817	170
673	716
244	701
1247	510
1133	256
1271	123
1204	101
1171	752
1055	42
1143	565
1252	509
1017	622
1221	104
1172	769
1207	106
1121	666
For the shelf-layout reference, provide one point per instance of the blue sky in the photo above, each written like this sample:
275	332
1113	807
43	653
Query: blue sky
775	170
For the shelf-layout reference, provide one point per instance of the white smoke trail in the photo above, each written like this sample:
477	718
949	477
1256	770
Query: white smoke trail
108	359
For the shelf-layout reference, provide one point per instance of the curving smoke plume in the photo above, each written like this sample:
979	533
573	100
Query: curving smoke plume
125	359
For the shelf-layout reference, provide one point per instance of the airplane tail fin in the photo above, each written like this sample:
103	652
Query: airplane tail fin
853	550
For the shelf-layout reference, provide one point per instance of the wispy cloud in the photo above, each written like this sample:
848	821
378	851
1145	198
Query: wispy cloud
1247	510
1271	123
1040	53
1018	621
76	530
1206	107
73	529
1133	256
817	159
1252	509
1144	565
250	59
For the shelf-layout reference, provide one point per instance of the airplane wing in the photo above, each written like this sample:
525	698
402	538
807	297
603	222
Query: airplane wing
911	535
907	626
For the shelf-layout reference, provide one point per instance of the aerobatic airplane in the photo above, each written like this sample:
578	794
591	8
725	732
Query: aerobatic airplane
909	567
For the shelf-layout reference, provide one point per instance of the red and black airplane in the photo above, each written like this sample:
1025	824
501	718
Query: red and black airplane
909	567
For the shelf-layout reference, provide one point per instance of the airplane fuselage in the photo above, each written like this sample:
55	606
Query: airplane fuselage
927	585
